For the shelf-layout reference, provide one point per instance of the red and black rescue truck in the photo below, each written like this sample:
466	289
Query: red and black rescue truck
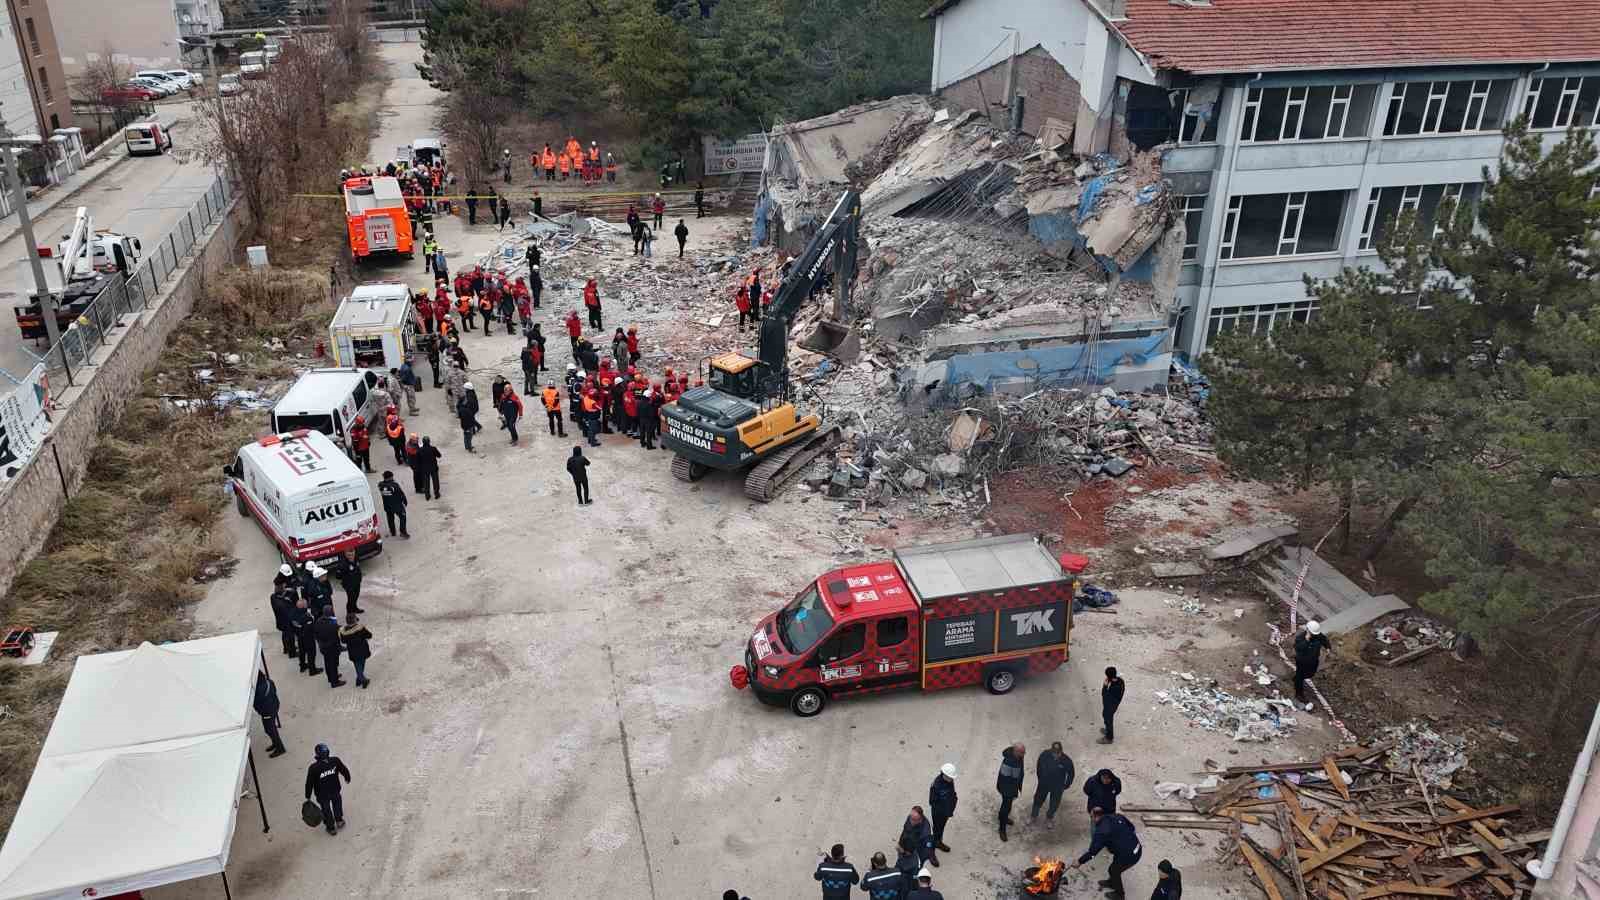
985	611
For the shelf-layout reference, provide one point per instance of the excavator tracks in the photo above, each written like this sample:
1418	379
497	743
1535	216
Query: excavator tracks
769	476
684	470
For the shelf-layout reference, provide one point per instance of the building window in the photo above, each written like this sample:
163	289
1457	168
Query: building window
1282	224
1192	207
1446	107
1562	102
1259	319
1306	113
44	85
1195	129
33	36
1385	206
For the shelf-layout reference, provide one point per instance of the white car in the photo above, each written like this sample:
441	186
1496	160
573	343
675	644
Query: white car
161	78
230	84
164	88
195	78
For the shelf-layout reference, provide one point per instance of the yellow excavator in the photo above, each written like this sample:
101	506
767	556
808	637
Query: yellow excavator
743	418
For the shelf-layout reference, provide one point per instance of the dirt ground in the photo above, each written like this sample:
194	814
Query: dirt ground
550	713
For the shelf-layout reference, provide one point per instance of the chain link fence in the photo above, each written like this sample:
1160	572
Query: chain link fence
90	330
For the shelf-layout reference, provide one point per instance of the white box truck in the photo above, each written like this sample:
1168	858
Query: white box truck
375	326
307	496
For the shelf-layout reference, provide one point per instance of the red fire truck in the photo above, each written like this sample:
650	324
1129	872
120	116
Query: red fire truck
985	611
376	217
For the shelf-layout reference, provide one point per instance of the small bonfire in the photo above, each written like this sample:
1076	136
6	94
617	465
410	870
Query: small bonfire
1043	878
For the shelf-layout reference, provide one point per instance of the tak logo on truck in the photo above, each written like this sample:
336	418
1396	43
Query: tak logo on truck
1037	620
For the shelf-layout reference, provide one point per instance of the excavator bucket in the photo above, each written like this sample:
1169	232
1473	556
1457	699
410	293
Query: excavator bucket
834	339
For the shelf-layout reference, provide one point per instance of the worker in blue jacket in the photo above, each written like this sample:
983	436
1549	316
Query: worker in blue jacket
1113	832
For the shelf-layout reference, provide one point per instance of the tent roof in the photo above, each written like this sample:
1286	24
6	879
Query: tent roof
156	693
125	819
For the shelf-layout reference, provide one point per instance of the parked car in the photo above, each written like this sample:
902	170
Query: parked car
253	64
230	84
167	78
273	51
195	78
129	92
162	88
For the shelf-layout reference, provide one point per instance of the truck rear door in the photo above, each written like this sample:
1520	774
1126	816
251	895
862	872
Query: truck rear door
380	234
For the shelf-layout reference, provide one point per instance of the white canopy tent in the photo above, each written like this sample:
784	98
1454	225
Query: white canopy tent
139	779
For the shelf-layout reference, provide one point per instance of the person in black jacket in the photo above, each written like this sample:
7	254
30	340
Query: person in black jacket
283	616
467	413
577	467
1110	698
942	802
906	862
1114	833
649	419
305	621
836	874
286	578
1170	885
266	704
1053	774
1102	791
682	234
1308	647
394	503
1009	781
327	632
426	469
357	640
322	779
916	832
882	882
349	572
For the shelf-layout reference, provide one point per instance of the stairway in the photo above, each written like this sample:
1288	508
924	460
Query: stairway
1327	596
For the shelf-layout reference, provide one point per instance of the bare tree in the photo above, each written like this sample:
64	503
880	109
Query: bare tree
475	110
100	76
347	29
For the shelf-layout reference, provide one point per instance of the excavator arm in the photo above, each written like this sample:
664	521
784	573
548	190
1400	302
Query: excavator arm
838	241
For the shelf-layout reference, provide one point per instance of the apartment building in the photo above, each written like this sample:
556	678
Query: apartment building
1294	131
38	62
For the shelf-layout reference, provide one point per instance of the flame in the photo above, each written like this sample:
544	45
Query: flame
1047	877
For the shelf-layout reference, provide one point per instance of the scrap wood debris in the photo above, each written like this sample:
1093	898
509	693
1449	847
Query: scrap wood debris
1355	826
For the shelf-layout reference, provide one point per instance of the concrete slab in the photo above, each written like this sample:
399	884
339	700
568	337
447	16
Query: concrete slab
1327	595
1176	569
1250	541
1364	613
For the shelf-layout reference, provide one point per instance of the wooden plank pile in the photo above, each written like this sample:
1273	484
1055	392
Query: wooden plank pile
1385	833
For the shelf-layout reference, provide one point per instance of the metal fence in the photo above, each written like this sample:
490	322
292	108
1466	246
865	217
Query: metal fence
162	258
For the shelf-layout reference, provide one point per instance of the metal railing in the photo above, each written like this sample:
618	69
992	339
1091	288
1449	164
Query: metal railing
103	316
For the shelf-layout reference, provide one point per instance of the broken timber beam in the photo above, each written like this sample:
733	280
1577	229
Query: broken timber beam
1405	887
1263	874
1398	835
1331	854
1471	815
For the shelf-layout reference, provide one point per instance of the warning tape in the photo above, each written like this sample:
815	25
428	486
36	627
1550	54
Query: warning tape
1276	639
634	195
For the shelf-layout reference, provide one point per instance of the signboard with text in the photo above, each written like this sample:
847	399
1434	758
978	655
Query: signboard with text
23	423
727	157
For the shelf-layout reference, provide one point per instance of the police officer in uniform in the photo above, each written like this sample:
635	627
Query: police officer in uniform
882	882
266	705
1113	832
322	779
327	631
283	615
836	875
1009	781
394	502
305	621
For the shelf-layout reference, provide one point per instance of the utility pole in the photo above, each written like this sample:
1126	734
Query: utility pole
47	300
1011	73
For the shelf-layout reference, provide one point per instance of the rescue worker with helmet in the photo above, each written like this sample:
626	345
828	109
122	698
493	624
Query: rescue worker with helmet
322	780
552	409
361	444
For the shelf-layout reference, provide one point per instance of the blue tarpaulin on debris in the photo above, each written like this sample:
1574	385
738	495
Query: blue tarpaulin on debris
1091	193
758	229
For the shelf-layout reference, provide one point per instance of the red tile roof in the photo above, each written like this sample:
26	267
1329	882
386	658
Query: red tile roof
1260	35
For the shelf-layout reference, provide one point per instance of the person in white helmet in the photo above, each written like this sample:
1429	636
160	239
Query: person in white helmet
942	802
1308	647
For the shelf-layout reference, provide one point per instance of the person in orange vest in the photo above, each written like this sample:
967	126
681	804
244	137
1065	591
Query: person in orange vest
594	159
395	429
548	160
591	415
573	148
611	167
464	308
552	409
565	165
591	299
487	301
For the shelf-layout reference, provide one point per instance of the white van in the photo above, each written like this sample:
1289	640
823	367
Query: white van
328	400
253	64
308	497
146	138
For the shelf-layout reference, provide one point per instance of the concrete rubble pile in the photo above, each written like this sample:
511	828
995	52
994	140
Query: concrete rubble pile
1210	707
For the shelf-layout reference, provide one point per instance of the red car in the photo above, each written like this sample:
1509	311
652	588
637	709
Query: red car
130	92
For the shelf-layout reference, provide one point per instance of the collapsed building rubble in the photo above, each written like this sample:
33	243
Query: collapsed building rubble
1210	707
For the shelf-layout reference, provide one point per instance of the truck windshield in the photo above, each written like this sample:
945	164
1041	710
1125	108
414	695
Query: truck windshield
805	621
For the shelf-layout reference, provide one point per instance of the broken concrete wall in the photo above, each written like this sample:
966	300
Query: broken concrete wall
818	151
1047	91
1129	364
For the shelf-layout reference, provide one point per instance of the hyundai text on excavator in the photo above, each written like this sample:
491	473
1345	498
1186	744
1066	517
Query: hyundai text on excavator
743	416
